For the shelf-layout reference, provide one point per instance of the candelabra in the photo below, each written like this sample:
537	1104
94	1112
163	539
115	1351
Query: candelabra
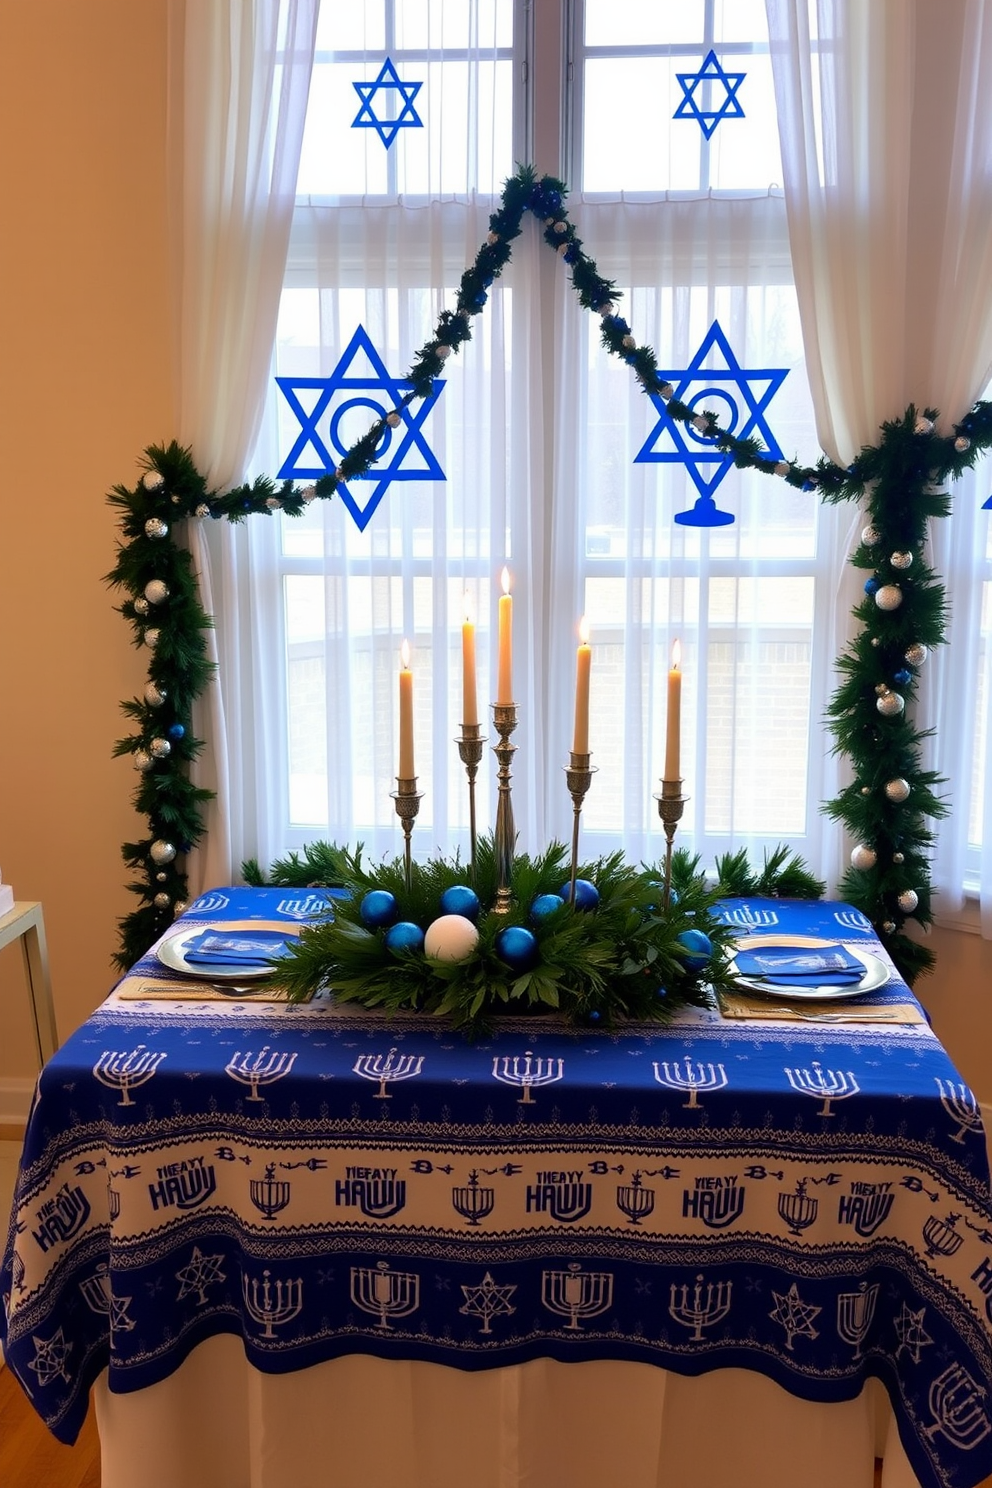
671	804
407	803
505	720
578	774
470	753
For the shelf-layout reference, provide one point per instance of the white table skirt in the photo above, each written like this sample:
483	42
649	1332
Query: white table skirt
362	1422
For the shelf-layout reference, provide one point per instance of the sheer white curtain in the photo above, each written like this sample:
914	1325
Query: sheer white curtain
239	75
886	151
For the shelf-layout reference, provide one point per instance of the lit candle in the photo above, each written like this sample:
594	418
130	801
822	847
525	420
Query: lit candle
504	676
583	663
406	770
470	706
673	730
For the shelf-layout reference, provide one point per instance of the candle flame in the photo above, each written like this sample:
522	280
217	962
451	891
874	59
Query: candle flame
405	655
676	655
506	580
584	631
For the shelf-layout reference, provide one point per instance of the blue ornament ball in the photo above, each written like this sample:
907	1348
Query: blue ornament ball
661	993
404	936
586	894
460	900
902	677
544	905
378	908
872	586
517	946
175	732
699	946
594	1016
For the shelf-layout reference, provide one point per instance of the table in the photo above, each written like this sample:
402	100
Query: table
343	1194
26	923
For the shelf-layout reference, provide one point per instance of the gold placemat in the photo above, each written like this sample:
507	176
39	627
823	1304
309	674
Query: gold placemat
739	1005
138	988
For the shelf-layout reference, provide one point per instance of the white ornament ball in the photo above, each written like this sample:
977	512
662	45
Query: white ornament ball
443	351
901	560
160	748
161	852
890	704
782	468
492	238
908	900
629	342
450	938
923	425
156	591
870	536
961	444
916	654
898	789
152	481
701	422
142	760
863	857
151	638
155	527
393	419
888	597
154	696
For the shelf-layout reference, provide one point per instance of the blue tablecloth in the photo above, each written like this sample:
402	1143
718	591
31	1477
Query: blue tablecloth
809	1201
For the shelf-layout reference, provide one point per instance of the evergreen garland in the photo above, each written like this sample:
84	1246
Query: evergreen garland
900	480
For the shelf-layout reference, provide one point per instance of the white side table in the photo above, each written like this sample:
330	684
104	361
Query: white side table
25	923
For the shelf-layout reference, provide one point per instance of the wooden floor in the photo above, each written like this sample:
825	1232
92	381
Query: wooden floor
30	1457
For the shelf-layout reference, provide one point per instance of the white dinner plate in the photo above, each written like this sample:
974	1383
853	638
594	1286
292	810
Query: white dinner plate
876	972
172	953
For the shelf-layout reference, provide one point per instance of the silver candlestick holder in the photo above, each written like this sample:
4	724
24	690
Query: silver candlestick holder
671	804
578	774
470	745
505	721
407	803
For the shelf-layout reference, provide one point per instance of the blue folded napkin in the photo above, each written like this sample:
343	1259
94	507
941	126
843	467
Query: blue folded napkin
236	947
787	966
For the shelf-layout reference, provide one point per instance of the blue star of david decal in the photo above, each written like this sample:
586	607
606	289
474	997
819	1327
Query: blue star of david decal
312	445
710	73
738	399
388	83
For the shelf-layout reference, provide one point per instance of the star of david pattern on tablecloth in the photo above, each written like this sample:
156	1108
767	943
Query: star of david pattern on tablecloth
387	82
811	1202
696	85
742	397
317	450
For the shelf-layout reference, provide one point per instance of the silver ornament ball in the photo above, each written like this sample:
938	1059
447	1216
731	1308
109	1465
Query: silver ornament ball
155	527
141	607
161	877
898	789
923	425
160	748
162	901
161	852
180	907
901	560
870	536
961	444
142	760
908	900
916	654
863	857
151	638
890	704
156	591
152	481
202	510
889	927
889	597
898	857
155	696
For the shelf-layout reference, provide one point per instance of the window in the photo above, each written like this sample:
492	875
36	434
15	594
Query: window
545	453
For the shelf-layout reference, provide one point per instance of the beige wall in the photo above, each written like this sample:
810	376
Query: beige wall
85	342
86	385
